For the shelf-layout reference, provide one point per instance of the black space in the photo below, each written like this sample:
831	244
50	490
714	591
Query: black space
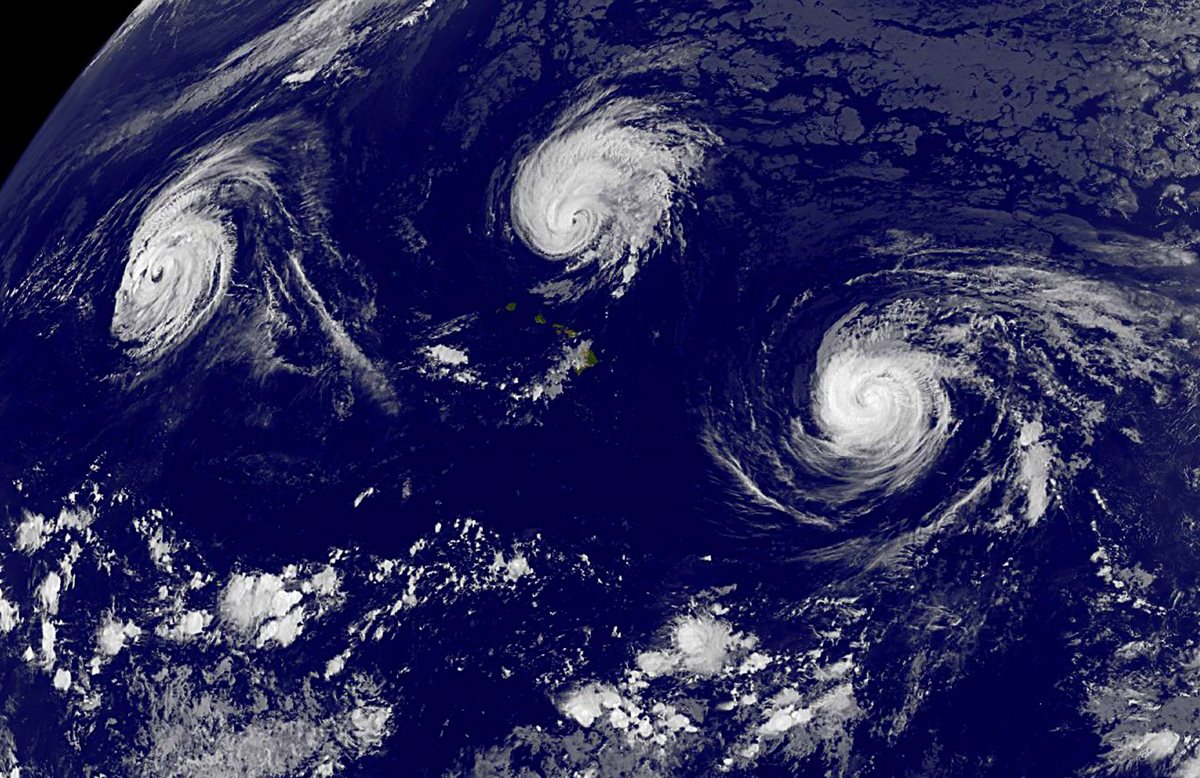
56	44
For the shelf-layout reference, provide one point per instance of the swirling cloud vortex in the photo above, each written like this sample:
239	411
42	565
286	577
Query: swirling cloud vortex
600	189
179	267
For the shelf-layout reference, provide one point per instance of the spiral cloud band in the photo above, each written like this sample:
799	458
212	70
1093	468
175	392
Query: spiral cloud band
1003	365
881	412
177	274
600	190
181	256
239	214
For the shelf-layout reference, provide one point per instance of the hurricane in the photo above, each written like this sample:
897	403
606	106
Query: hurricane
602	191
236	227
180	263
930	388
880	410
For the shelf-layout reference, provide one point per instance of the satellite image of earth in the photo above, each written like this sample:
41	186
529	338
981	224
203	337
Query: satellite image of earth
589	388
